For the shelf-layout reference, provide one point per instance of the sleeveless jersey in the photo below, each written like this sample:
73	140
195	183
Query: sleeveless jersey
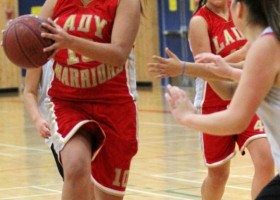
269	112
46	78
224	39
79	78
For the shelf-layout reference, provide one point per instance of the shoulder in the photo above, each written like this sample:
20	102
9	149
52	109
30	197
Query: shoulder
198	21
266	43
263	55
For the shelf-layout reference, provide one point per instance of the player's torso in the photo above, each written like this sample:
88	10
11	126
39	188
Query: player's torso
224	40
77	76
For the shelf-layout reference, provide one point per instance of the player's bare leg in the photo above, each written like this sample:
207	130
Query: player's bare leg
76	160
213	186
260	152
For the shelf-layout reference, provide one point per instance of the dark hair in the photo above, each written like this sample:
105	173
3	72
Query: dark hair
264	13
272	12
200	4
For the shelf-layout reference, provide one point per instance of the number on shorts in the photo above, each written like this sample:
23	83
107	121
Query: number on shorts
120	178
259	126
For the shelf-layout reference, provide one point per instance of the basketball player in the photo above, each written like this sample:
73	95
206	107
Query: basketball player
212	30
91	108
258	85
35	94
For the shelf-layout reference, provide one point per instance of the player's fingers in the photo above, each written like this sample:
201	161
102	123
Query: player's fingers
45	133
170	53
48	35
169	100
182	94
50	48
172	91
160	59
50	27
158	68
52	23
152	66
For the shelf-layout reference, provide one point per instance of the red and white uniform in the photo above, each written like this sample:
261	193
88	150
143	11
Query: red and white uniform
224	39
95	96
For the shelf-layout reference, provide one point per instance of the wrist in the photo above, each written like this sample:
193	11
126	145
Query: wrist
184	66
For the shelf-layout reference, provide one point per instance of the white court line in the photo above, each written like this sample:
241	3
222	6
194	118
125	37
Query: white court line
27	197
156	194
59	192
7	155
17	188
203	171
197	182
45	189
24	147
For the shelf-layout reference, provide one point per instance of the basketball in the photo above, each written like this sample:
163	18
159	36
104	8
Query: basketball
23	44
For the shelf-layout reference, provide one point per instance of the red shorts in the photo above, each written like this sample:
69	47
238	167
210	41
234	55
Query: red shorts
118	125
219	149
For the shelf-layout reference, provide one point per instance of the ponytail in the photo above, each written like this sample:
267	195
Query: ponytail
200	4
264	13
272	13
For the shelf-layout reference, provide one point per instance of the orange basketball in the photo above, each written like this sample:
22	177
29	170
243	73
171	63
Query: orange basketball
23	44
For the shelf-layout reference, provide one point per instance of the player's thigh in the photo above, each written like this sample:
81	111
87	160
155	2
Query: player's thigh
77	151
260	152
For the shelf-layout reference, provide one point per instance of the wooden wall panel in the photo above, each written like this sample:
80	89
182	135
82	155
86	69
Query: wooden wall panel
9	73
147	42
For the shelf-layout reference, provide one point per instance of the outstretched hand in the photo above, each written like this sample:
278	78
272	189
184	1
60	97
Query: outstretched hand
166	67
215	64
179	103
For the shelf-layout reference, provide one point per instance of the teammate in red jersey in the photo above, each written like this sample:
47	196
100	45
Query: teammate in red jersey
212	30
258	88
91	109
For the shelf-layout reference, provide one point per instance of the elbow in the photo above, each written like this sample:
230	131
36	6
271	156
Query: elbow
240	127
240	124
121	60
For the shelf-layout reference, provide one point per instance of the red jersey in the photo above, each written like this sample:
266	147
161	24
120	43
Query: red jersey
224	39
79	78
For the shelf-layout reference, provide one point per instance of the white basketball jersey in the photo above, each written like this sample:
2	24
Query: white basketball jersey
269	112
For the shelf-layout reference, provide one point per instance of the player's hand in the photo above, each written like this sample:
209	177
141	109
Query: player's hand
179	103
43	127
3	30
60	37
166	67
215	64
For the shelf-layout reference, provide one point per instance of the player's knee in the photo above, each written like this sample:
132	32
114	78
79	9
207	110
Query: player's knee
76	168
219	176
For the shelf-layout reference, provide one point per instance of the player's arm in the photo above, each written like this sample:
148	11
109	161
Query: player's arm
47	9
173	66
245	101
126	24
239	55
30	93
235	60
